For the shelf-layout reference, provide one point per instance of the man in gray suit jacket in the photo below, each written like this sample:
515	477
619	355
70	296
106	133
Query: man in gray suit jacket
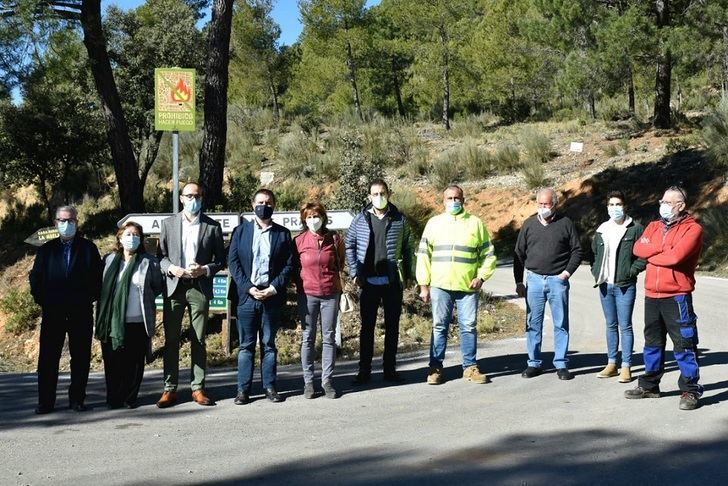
192	253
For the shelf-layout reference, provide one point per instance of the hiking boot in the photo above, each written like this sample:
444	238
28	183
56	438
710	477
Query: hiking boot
361	378
640	392
329	390
689	401
434	376
609	371
564	374
531	372
625	375
308	391
473	375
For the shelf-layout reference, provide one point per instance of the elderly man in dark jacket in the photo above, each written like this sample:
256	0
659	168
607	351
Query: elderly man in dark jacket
65	281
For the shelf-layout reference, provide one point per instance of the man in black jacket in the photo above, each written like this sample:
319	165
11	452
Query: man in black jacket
548	247
65	281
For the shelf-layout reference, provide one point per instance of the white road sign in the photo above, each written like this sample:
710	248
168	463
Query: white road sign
151	223
338	220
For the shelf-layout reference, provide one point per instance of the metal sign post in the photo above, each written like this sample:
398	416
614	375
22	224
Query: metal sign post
175	171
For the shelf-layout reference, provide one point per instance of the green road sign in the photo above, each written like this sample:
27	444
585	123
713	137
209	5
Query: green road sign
174	99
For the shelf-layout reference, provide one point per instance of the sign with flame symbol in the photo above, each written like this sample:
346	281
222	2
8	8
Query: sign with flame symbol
174	99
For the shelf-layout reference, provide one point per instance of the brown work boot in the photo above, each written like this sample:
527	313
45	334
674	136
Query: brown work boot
434	376
473	375
625	375
201	399
168	399
609	371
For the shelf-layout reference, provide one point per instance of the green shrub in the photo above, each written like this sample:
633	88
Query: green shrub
507	158
22	311
611	109
715	135
611	150
715	238
355	173
291	195
296	150
536	145
472	125
411	205
241	189
445	171
477	162
534	174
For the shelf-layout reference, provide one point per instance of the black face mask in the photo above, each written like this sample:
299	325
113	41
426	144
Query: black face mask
263	212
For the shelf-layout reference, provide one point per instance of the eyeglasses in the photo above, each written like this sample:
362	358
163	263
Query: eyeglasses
190	197
671	203
66	220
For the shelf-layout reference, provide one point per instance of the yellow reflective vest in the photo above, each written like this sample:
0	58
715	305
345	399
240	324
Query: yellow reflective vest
453	251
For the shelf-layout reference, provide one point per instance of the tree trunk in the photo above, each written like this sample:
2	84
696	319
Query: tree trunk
445	78
664	70
592	105
122	152
724	86
274	96
212	152
43	190
397	89
148	155
630	91
352	79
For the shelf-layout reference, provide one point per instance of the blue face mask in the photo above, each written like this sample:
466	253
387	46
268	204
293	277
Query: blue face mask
666	212
263	212
454	207
616	213
193	206
130	242
67	229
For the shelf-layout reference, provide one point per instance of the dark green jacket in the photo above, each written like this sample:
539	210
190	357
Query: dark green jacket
628	265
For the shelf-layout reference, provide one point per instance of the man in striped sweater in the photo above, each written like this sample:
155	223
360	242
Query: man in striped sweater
380	253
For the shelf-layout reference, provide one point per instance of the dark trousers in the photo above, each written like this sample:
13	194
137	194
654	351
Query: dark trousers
258	321
673	316
56	323
390	296
124	368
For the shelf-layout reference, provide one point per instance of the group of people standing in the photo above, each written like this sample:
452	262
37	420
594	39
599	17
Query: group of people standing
453	259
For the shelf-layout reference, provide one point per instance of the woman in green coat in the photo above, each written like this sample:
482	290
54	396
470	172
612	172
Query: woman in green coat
615	271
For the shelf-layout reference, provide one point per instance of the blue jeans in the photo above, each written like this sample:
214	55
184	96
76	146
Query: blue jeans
618	304
443	302
539	290
257	320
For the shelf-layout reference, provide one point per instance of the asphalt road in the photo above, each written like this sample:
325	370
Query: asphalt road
511	431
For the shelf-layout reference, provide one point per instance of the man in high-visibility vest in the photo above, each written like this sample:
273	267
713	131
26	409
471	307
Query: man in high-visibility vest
454	258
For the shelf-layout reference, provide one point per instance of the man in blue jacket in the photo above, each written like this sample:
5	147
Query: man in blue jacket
260	260
380	254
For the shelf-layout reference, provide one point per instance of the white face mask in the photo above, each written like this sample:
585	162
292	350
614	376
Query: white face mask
379	202
130	242
545	213
314	224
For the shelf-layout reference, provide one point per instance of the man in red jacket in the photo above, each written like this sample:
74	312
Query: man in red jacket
671	246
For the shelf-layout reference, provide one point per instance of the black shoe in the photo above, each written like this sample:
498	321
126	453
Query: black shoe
272	395
564	374
43	409
78	406
308	391
361	379
639	392
131	405
243	398
689	401
531	372
329	390
393	376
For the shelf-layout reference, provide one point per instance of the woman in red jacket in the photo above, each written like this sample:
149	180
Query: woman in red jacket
320	255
